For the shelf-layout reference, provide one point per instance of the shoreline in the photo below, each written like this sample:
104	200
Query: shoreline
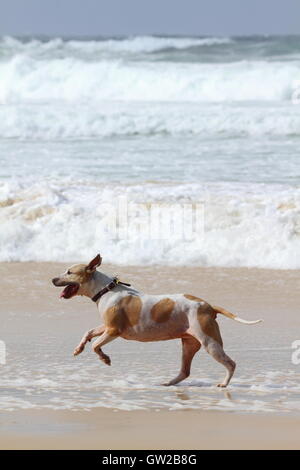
106	429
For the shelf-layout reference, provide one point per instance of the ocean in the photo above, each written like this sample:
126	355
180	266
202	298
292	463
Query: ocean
170	121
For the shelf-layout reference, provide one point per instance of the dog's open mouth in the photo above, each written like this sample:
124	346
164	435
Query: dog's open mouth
70	290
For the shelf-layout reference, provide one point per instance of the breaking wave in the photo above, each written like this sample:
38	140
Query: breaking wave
27	80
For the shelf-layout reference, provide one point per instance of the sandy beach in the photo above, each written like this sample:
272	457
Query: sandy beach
107	430
51	400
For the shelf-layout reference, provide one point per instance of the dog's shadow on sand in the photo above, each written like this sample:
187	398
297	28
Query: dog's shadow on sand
184	396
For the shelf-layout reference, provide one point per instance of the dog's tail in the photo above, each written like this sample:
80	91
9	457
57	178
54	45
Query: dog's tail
228	314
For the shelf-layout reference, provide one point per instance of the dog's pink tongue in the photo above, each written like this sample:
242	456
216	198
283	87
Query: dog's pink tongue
64	292
69	291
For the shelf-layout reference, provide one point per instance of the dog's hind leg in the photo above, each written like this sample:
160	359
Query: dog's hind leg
216	350
190	346
87	337
205	328
218	353
105	338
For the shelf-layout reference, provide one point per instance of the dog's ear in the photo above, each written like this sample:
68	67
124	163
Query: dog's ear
91	267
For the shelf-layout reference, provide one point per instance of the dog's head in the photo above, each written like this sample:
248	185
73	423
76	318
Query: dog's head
76	278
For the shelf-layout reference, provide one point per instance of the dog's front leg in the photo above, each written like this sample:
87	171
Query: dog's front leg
108	336
87	337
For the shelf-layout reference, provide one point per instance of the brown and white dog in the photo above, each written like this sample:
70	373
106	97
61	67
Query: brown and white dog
132	315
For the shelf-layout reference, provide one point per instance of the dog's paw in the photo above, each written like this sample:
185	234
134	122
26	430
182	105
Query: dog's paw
222	385
78	350
106	359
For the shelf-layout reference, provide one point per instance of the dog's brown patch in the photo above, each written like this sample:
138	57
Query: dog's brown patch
131	306
122	315
113	320
209	326
161	311
204	307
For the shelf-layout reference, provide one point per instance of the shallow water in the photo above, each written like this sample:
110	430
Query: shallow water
53	379
42	331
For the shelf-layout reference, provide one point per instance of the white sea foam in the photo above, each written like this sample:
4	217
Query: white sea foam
27	79
109	119
252	394
65	220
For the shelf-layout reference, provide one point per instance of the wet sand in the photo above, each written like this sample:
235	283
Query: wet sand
27	297
106	429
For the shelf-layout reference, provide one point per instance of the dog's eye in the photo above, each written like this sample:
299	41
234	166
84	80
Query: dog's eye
69	272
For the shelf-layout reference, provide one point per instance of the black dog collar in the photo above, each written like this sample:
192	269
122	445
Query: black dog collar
109	287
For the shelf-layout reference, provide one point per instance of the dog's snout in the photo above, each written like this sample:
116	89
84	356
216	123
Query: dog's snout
55	280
